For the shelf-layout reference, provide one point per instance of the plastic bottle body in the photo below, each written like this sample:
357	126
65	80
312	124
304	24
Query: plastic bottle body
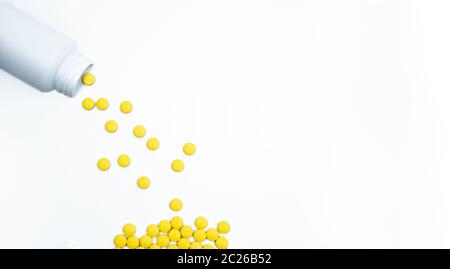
38	54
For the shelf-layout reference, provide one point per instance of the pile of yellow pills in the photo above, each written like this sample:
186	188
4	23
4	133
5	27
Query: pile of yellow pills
143	182
124	160
176	204
174	234
88	79
139	131
126	107
102	104
103	164
111	126
178	165
88	103
189	149
153	143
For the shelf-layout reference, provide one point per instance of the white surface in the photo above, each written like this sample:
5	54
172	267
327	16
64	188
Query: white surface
318	124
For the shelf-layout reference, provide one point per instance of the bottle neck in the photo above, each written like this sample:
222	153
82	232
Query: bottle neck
68	76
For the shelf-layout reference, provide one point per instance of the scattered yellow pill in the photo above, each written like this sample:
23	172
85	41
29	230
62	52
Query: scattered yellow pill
126	107
132	242
199	235
124	160
155	246
120	241
88	103
176	204
176	223
111	126
88	79
129	229
221	243
208	246
183	243
212	234
189	149
163	240
102	103
103	164
178	165
223	227
186	231
152	230
164	226
145	241
139	131
174	235
172	247
143	182
195	245
153	143
201	223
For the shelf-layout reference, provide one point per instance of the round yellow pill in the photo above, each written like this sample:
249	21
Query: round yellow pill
124	160
164	226
176	223
88	103
199	235
129	229
208	246
195	245
132	242
176	204
139	131
155	246
221	243
186	231
126	107
111	126
178	165
223	227
120	241
183	243
102	104
153	143
145	241
103	164
143	182
163	240
201	223
189	149
172	246
152	230
88	79
212	234
174	235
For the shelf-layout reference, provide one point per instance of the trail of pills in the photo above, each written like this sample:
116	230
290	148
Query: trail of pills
175	234
139	131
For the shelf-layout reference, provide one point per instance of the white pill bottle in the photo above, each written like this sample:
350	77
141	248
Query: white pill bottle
39	55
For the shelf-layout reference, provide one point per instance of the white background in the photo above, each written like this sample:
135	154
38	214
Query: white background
319	124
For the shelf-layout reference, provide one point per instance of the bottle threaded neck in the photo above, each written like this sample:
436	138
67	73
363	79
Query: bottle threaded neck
68	77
